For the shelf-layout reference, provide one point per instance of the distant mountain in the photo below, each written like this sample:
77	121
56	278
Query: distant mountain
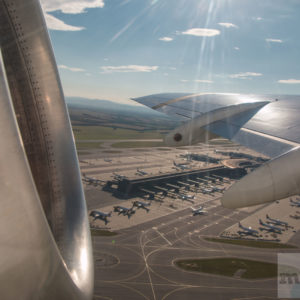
107	105
95	112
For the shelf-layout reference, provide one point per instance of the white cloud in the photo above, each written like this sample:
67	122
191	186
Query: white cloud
203	81
184	80
128	69
274	41
201	32
56	24
289	81
166	39
257	18
228	25
172	68
236	48
246	75
67	7
71	6
71	68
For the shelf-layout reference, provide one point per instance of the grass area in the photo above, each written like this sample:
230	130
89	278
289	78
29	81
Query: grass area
249	243
142	144
88	145
112	151
141	150
229	266
83	152
108	133
102	232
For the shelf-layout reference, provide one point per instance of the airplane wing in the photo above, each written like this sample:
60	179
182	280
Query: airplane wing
267	124
270	127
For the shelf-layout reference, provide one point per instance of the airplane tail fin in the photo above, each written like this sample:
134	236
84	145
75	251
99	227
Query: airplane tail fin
261	222
267	216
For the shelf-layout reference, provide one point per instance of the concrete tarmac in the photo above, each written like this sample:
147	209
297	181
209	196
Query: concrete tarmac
138	263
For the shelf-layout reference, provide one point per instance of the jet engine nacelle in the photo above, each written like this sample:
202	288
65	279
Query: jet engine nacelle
277	179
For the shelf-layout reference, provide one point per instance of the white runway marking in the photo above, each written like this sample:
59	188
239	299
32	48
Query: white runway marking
163	237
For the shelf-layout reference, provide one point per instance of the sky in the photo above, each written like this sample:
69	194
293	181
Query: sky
120	49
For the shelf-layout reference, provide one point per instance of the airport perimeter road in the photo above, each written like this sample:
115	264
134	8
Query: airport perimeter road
138	262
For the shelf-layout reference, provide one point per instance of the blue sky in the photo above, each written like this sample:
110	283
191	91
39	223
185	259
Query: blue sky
117	49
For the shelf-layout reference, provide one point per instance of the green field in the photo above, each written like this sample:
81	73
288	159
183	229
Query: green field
108	133
101	232
142	144
229	266
112	151
88	145
84	153
249	243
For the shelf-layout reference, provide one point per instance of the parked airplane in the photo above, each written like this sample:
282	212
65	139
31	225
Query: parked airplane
204	181
269	227
140	172
181	166
140	204
221	180
217	189
173	186
247	230
107	159
188	197
184	184
100	215
165	192
206	191
118	176
91	180
198	211
124	211
210	179
294	203
276	221
296	217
